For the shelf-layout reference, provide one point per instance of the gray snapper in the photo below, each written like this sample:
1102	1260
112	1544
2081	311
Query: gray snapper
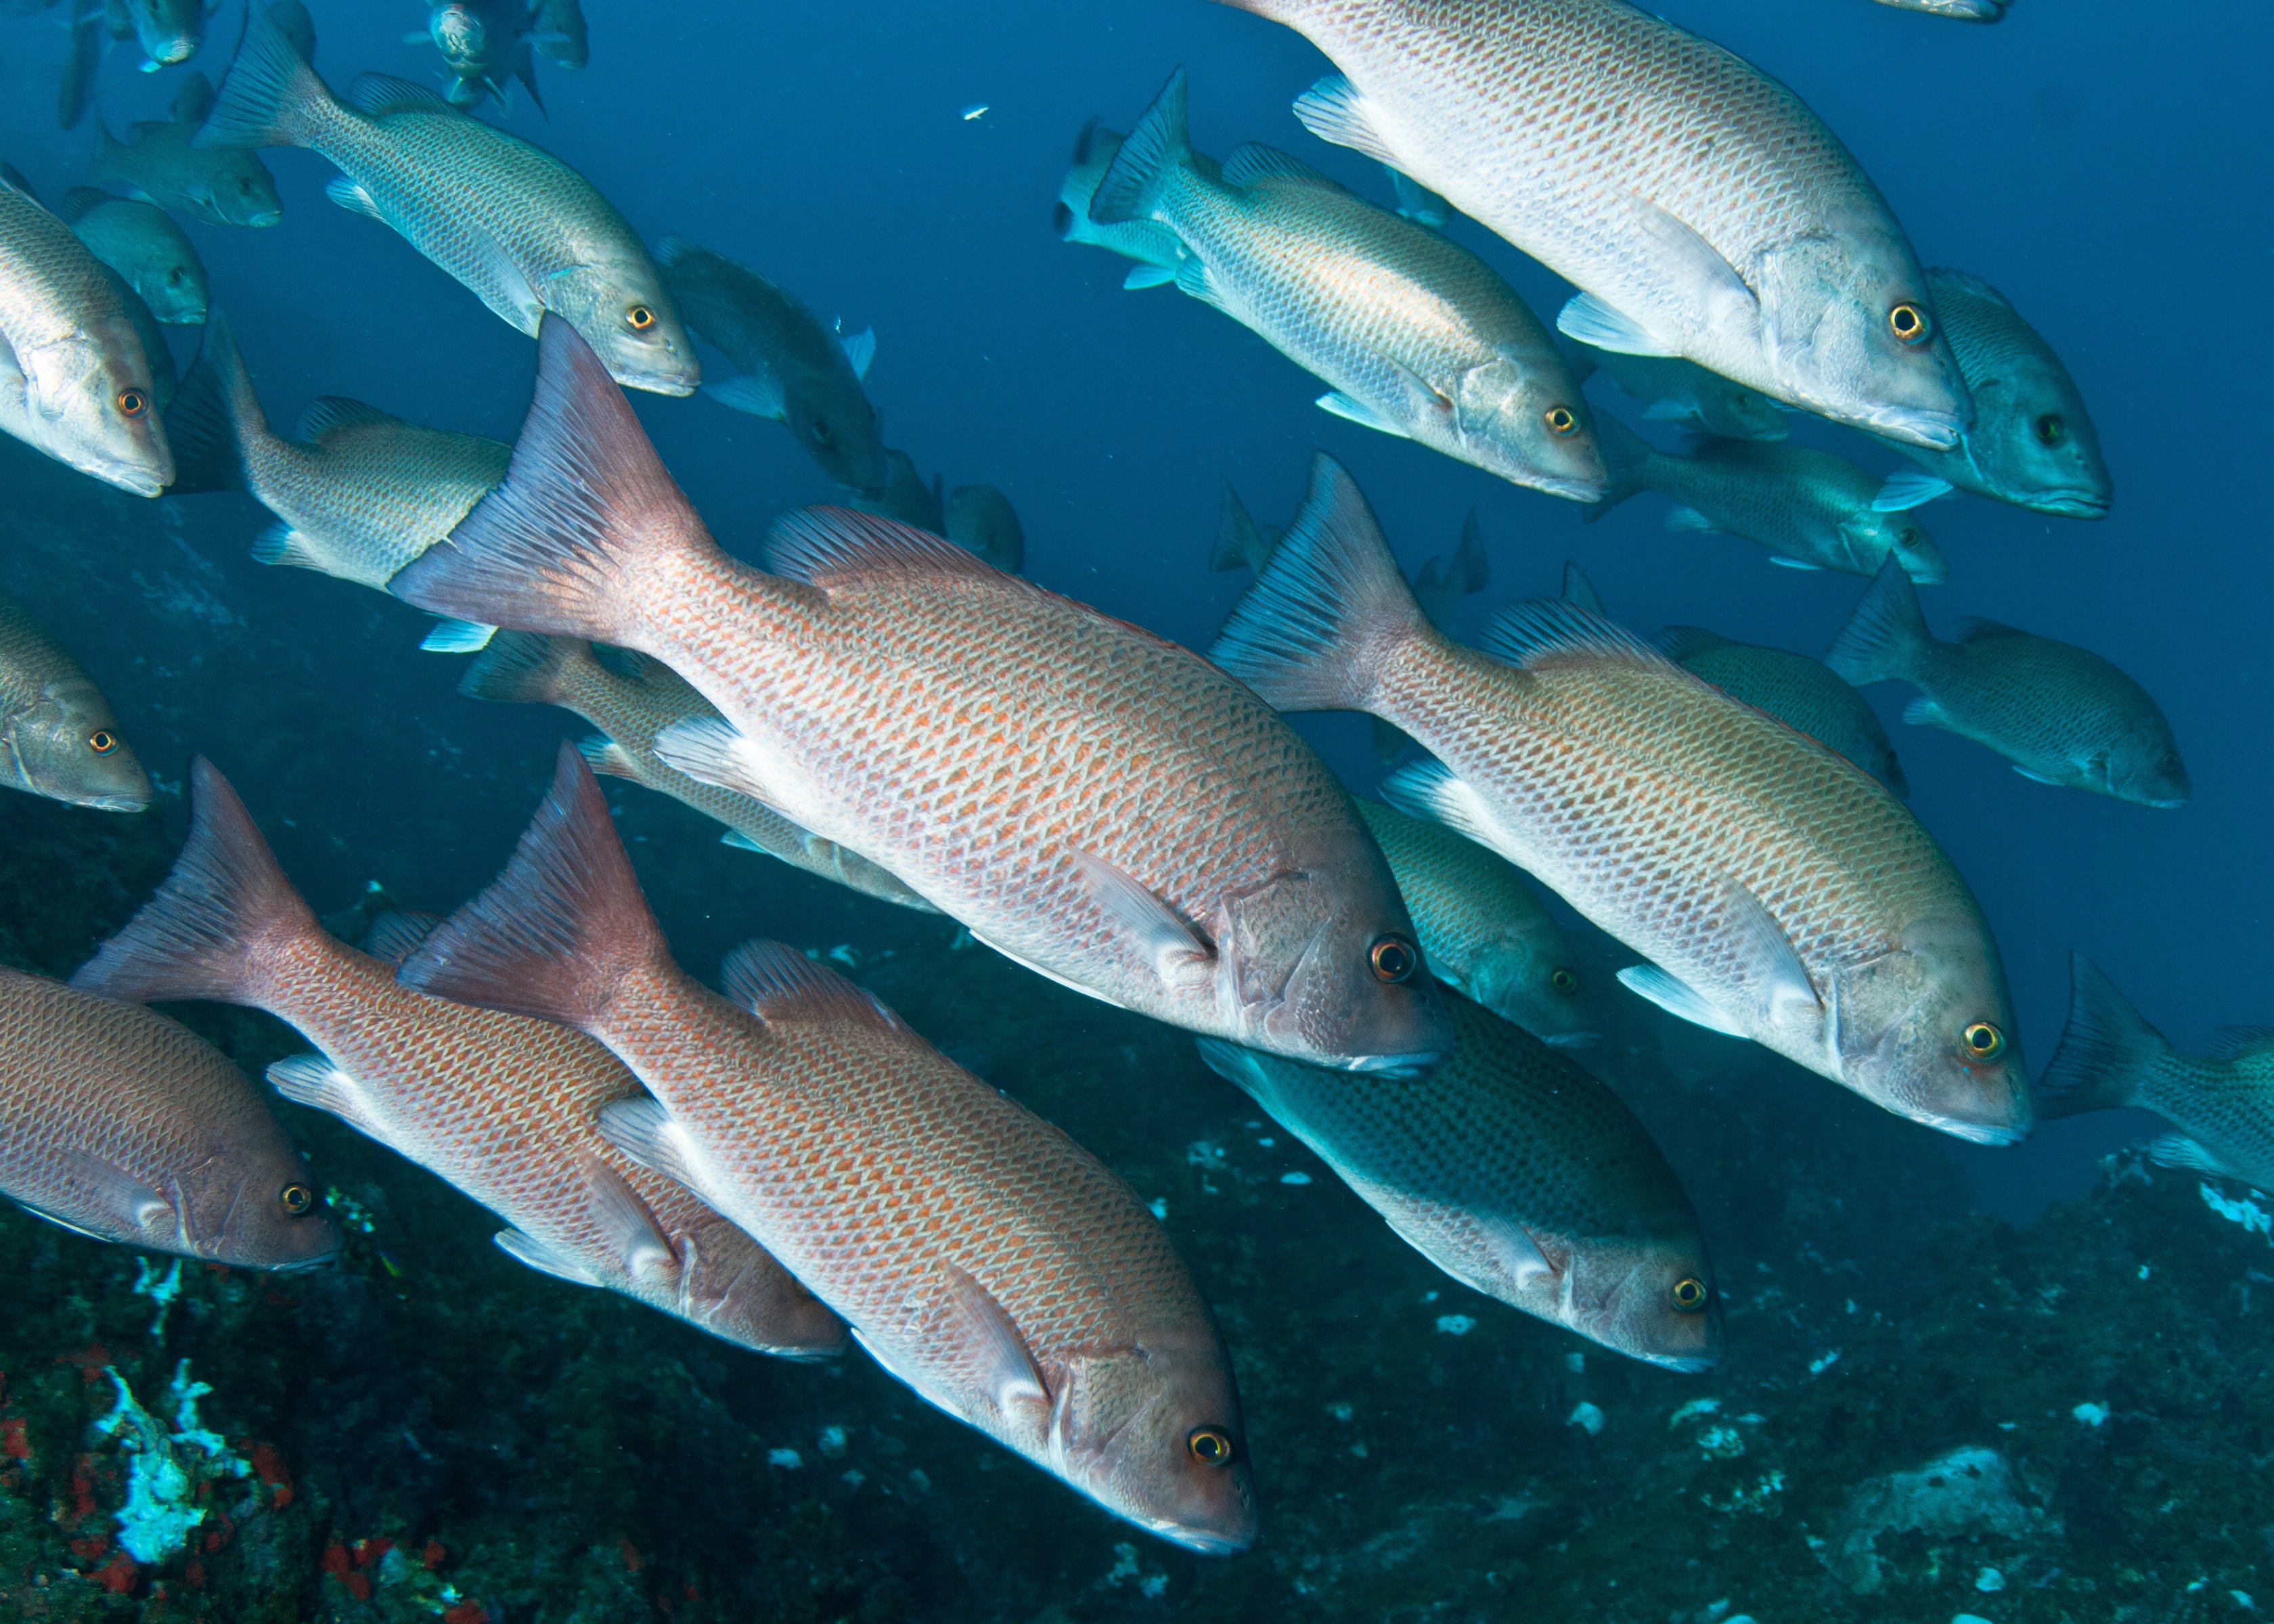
160	162
483	43
169	32
1484	930
1672	390
520	229
1096	803
58	735
2032	442
118	1124
1805	695
76	382
1703	208
1154	247
2062	715
1521	1177
2222	1103
630	708
981	517
788	365
980	1255
1414	335
1811	509
140	242
1782	893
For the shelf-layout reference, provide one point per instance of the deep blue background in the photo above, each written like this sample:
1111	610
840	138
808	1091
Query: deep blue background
2106	168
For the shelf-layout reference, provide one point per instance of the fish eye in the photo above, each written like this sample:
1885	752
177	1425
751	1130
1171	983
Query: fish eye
1210	1446
102	742
1907	536
821	434
1564	981
176	277
1394	958
1562	423
1908	323
295	1198
1984	1041
2050	429
133	402
640	318
1689	1294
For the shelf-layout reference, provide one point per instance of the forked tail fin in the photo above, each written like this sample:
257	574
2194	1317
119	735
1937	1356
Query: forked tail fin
2106	1050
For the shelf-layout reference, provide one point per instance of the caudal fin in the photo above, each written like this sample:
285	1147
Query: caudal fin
555	935
213	415
2106	1050
1626	458
1150	155
1240	542
270	96
522	668
586	512
210	930
1886	634
1326	610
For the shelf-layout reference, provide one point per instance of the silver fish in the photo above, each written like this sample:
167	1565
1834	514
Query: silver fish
1672	390
1963	10
1414	335
1519	1175
1811	509
160	162
58	736
2032	442
520	229
2062	715
75	380
1096	803
1703	208
2222	1103
118	1124
483	43
1805	695
141	243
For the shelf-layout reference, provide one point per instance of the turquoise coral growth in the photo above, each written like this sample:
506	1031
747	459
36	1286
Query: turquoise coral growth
158	1517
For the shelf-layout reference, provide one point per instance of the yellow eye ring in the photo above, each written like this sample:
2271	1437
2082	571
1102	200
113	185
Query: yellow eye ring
133	402
1394	958
1564	981
640	318
1210	1446
1690	1294
1984	1042
2050	429
102	742
295	1198
1562	422
1909	324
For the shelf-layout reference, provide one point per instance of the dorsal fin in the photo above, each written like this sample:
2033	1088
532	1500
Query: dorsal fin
78	199
775	982
1254	162
1965	281
2235	1042
815	545
1979	630
334	412
1679	643
376	95
1535	632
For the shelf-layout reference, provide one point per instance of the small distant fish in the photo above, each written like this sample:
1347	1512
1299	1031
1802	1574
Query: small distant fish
2032	442
484	44
58	735
2221	1103
1670	389
1804	694
1521	1177
1705	210
630	710
905	498
561	36
1414	335
1240	542
142	243
357	496
505	1109
2062	715
976	111
76	380
161	163
1484	930
981	1256
788	365
1811	509
981	517
1155	248
84	61
1963	10
124	1127
1782	894
169	32
1154	836
520	229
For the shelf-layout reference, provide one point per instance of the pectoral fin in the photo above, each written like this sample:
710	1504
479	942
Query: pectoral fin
627	1226
536	1255
114	1192
1148	926
1349	410
980	1329
1678	998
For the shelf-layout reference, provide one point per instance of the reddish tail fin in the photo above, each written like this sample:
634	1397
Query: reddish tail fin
558	931
210	930
586	512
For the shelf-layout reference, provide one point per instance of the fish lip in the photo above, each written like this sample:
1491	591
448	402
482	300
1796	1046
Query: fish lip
2168	806
1688	1364
1994	1134
1916	425
1570	490
2073	504
1403	1068
117	803
1572	1039
1208	1542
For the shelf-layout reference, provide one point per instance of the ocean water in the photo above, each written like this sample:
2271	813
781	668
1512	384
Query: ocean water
2095	1326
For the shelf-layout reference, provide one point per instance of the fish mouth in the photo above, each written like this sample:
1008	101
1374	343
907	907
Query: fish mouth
305	1265
1997	1134
1401	1068
1573	1040
1570	490
2071	504
118	803
1688	1364
1207	1541
1917	425
2168	806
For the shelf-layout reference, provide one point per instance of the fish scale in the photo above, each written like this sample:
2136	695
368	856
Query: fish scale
87	1081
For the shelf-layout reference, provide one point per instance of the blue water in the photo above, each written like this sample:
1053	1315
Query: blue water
2104	166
